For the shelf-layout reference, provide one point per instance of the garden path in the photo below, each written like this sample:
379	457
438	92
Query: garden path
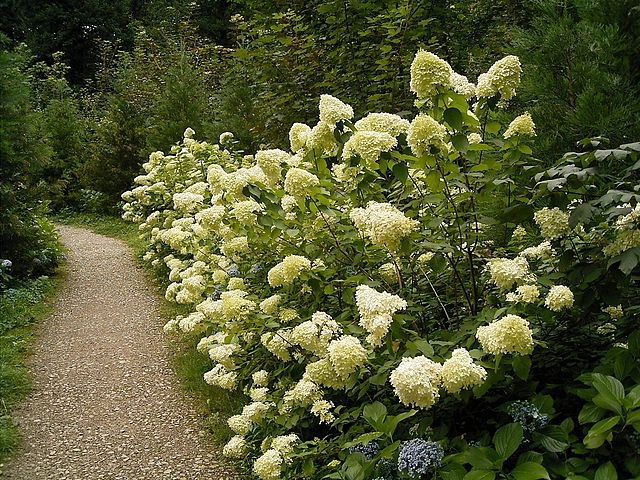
106	403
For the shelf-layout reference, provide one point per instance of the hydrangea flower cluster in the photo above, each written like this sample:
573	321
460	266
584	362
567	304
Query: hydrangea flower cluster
553	223
383	224
418	457
505	272
502	78
416	381
559	298
425	132
298	182
346	355
511	334
428	72
368	450
459	372
524	294
389	123
368	145
521	126
288	270
333	110
527	415
376	310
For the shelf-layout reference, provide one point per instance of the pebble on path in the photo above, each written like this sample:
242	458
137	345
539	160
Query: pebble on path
106	403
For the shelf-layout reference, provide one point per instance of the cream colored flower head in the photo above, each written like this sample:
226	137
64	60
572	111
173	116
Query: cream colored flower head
428	72
503	77
416	381
511	334
333	110
521	126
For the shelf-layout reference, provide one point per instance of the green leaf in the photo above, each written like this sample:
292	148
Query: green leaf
590	413
391	423
425	347
606	472
400	171
529	471
632	400
374	413
460	142
526	149
307	468
492	127
551	444
521	365
610	392
478	457
480	475
453	117
507	439
603	426
582	214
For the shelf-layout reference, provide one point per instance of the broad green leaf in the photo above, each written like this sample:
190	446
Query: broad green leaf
374	413
590	413
454	118
507	439
582	214
478	457
391	422
604	426
606	472
521	365
610	392
400	171
551	444
632	400
529	471
492	127
526	149
460	142
480	475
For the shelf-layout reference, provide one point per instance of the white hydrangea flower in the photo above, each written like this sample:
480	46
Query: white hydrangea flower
416	381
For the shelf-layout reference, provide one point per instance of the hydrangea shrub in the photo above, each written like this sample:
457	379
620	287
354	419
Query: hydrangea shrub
374	284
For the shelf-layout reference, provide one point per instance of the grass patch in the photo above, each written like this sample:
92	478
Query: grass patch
214	403
21	309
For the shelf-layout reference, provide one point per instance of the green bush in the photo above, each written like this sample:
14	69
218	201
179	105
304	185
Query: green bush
388	282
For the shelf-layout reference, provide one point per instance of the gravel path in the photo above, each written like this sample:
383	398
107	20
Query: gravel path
105	403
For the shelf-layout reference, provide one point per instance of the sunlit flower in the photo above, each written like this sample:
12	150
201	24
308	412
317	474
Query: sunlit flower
416	381
322	410
288	270
269	465
505	272
521	126
511	334
235	448
425	132
368	145
376	310
503	77
298	182
553	223
389	123
383	224
428	72
333	110
559	298
299	136
346	355
460	372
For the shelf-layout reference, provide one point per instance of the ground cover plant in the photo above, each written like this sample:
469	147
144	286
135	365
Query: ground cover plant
21	308
410	297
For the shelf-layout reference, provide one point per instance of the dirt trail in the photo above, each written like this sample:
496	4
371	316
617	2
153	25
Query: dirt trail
105	403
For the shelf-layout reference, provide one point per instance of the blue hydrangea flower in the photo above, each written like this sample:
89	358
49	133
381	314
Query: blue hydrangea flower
255	268
527	415
233	271
216	293
387	469
418	456
369	450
